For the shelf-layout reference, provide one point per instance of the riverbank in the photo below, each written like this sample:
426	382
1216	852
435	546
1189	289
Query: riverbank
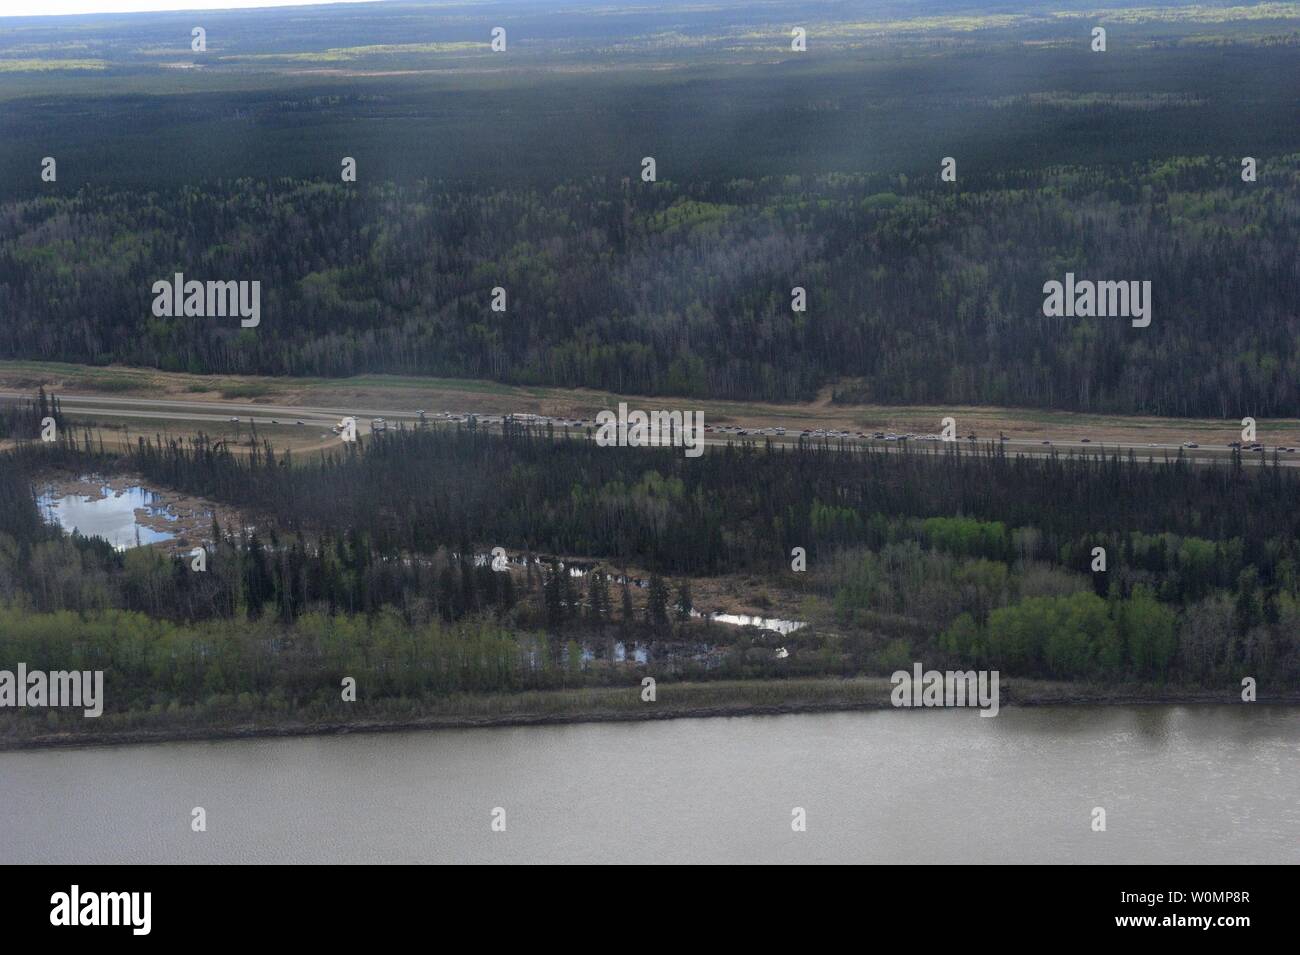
586	705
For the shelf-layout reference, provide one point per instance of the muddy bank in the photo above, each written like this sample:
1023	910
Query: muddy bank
604	705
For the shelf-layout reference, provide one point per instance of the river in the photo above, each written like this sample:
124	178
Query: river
1179	784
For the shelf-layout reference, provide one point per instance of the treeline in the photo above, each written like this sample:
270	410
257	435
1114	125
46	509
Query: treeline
160	663
263	573
1032	618
1084	636
956	554
1188	539
744	507
914	293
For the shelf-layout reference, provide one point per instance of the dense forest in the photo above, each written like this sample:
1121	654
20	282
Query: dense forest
713	91
365	562
914	293
740	507
775	169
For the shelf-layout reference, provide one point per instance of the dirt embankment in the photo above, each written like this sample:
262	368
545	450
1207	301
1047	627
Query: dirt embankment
676	701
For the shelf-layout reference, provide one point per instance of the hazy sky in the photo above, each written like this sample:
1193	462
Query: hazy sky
37	8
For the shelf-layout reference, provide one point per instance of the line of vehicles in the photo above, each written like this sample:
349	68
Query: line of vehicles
472	418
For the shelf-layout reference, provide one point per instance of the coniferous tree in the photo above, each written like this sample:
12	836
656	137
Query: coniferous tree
657	601
684	605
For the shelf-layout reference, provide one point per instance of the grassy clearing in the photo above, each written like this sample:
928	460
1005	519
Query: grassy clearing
347	54
247	389
45	66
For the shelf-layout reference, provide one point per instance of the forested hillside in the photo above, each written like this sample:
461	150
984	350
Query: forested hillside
776	168
924	293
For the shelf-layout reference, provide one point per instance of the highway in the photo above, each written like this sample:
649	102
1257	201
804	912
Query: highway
224	413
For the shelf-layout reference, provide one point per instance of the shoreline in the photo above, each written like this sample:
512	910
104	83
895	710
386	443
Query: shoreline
1015	694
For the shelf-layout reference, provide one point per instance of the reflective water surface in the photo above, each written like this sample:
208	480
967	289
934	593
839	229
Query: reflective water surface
1179	784
111	514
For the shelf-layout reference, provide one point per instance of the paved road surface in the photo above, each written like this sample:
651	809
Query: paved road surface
269	415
